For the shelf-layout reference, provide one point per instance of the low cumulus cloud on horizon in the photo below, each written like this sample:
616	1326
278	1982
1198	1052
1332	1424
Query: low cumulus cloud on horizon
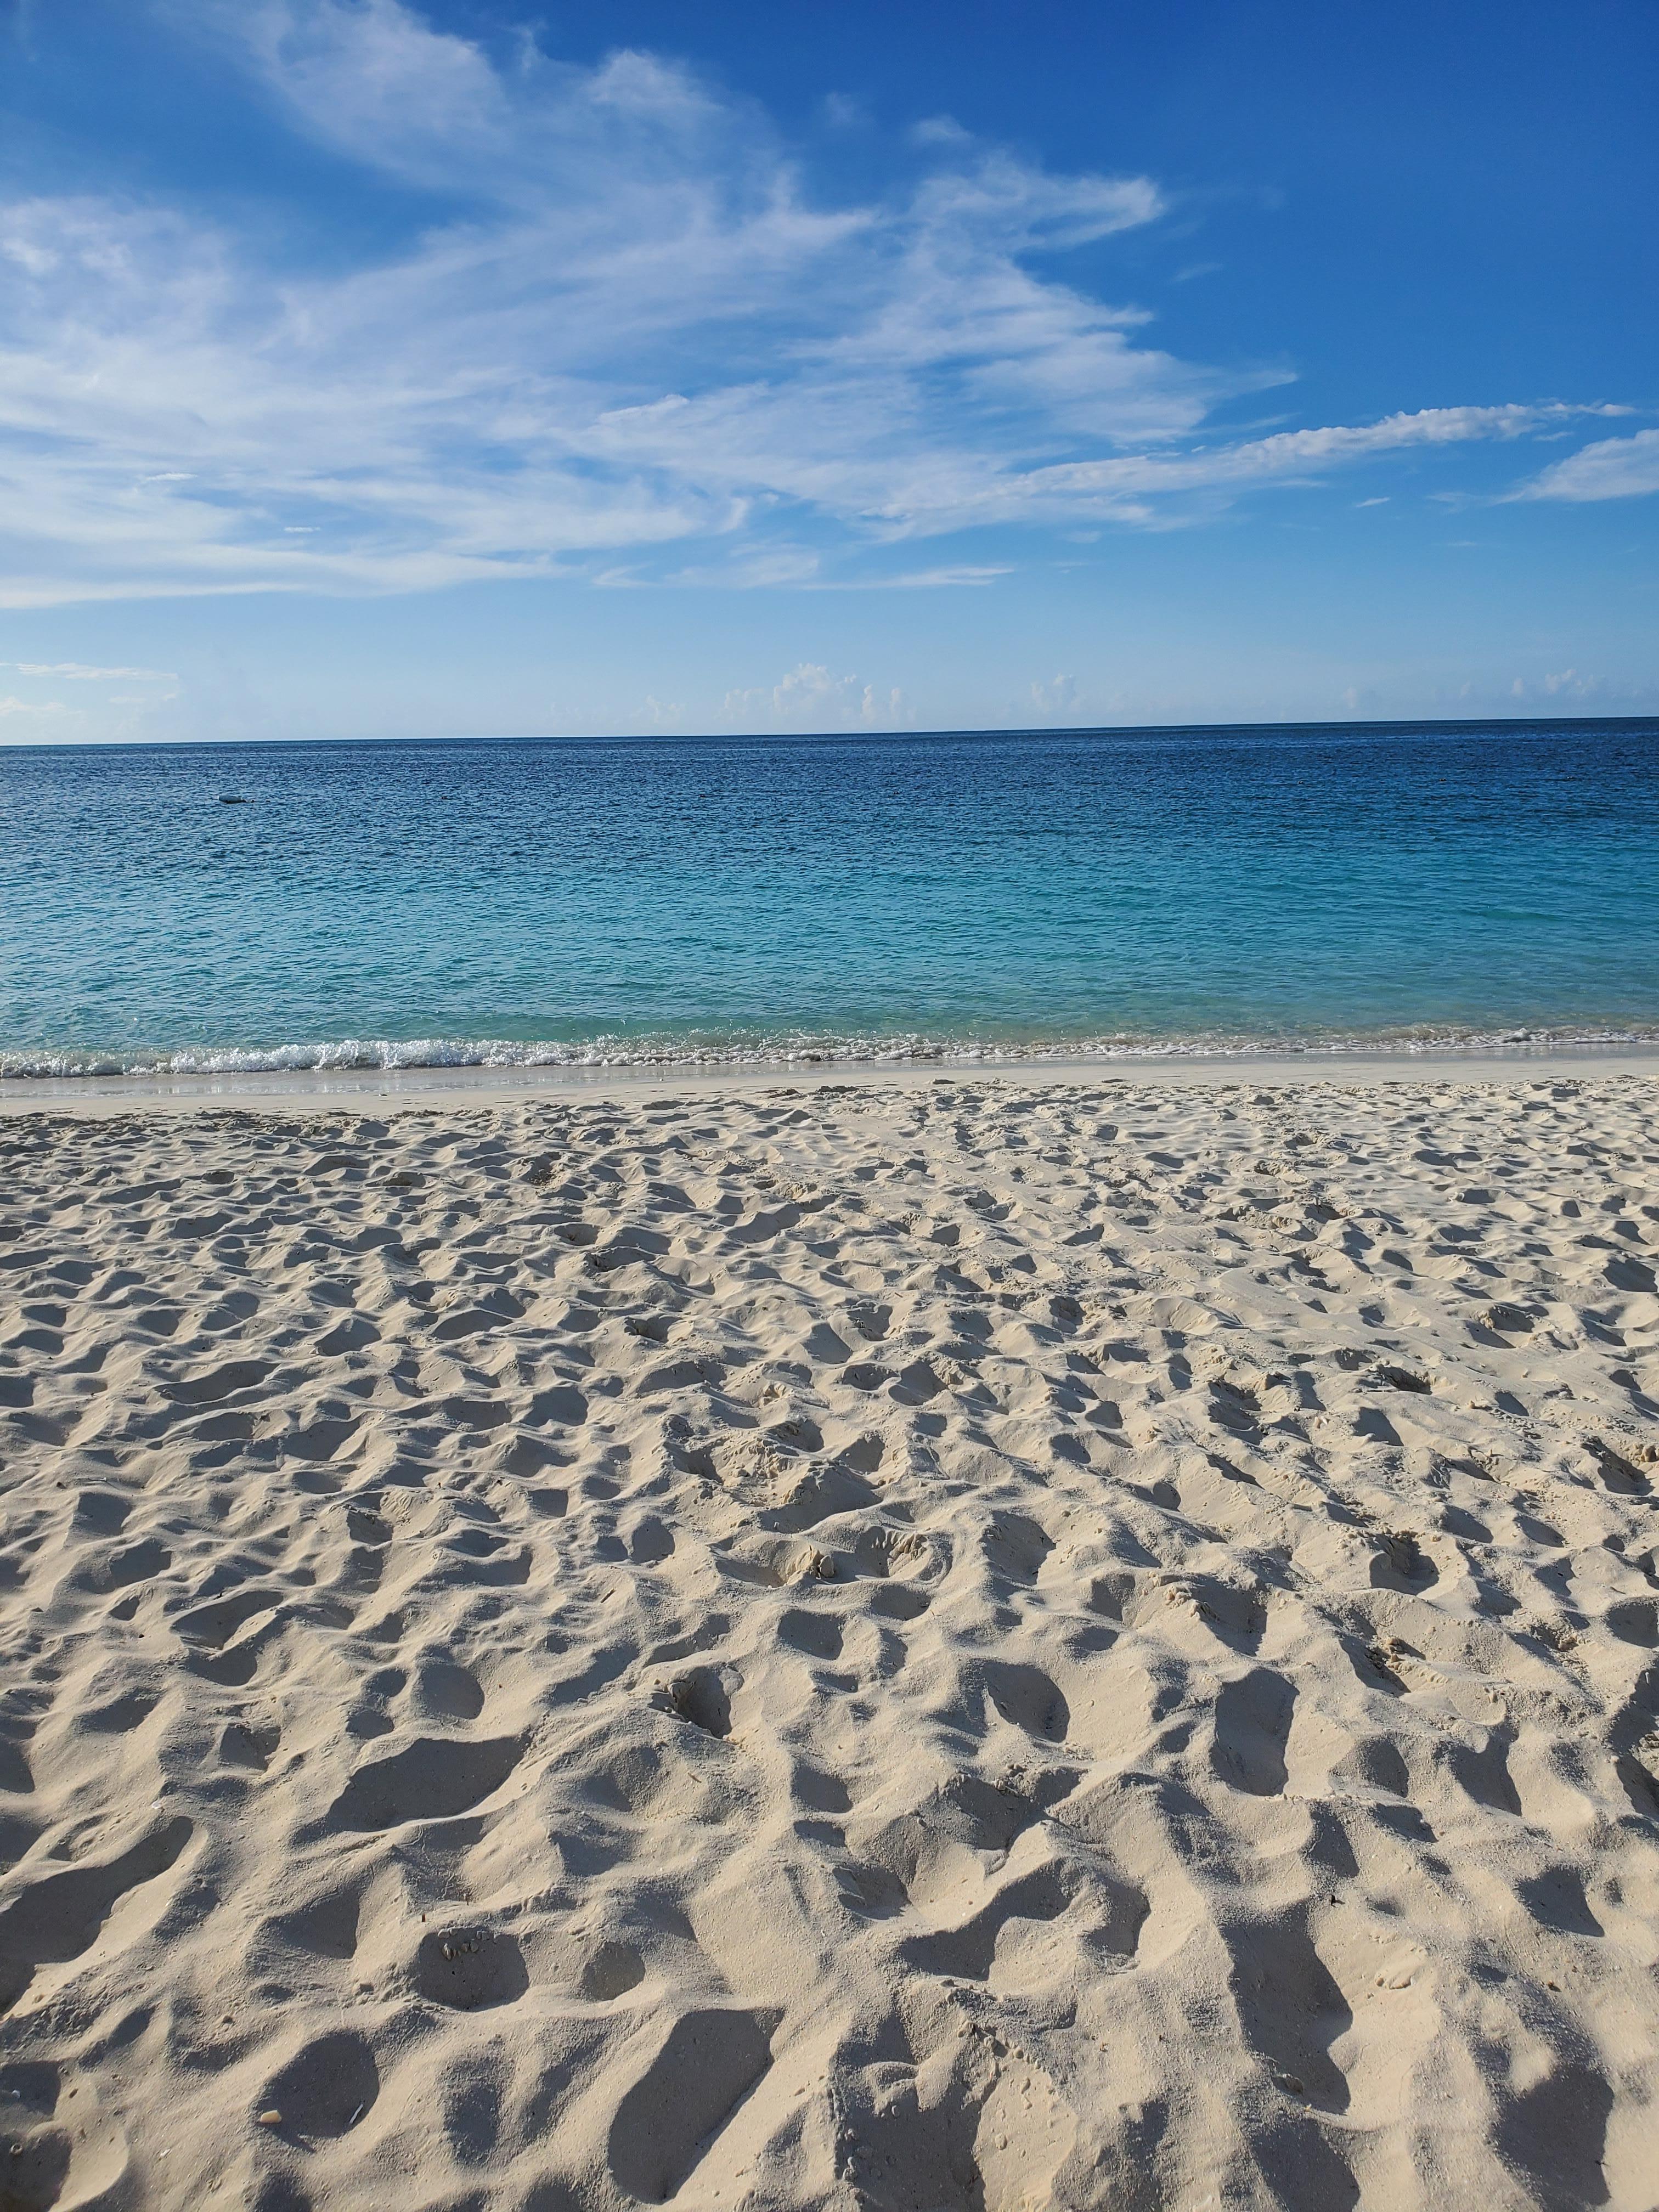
640	343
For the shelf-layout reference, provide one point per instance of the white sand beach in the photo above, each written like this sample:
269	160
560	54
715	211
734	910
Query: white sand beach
965	1643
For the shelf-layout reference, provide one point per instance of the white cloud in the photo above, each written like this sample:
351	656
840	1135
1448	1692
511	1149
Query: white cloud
1125	486
940	130
1613	468
950	578
1293	453
1056	695
1561	683
9	707
810	698
77	671
641	329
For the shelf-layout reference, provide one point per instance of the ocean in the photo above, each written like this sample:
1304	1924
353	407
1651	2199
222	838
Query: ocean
753	900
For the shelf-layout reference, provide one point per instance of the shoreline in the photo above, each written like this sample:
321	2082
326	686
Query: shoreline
282	1090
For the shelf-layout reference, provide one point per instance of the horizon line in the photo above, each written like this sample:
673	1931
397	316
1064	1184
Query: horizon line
1403	723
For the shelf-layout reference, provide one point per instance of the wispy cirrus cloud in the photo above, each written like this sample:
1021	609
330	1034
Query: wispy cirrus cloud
640	328
30	709
78	671
1612	468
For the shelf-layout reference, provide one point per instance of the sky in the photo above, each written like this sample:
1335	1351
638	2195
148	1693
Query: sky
431	367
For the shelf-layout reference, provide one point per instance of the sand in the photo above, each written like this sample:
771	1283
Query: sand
961	1645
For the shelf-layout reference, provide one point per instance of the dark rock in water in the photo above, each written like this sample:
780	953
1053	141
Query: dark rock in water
229	798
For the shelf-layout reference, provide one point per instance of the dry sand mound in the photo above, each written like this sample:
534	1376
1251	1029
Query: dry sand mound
959	1647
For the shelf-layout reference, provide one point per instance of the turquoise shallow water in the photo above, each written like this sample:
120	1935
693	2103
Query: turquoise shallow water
634	900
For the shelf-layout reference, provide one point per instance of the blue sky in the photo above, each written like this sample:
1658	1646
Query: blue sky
372	369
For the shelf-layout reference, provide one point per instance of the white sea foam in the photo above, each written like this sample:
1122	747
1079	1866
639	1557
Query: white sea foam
350	1054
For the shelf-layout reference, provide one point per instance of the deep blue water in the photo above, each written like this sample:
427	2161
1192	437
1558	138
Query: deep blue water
609	900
